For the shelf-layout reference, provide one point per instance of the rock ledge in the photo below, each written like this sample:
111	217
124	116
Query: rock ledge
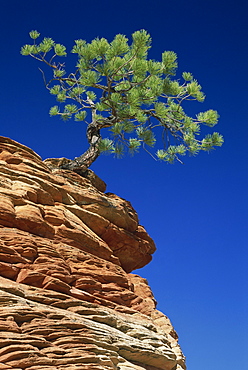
68	298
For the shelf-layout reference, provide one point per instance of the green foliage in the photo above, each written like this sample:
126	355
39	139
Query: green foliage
133	145
29	50
129	94
118	150
34	35
212	140
54	111
146	135
46	45
55	90
71	108
169	62
80	116
210	117
60	50
187	76
171	153
91	95
117	128
106	146
58	73
194	89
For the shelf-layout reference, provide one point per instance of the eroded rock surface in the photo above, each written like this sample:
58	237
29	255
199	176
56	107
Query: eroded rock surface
68	299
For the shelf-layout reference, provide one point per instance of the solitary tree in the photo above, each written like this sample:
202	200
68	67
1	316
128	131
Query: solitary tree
116	86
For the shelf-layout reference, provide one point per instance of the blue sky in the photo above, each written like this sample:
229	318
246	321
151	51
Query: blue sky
196	212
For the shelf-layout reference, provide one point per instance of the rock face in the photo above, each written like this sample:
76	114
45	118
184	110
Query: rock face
68	299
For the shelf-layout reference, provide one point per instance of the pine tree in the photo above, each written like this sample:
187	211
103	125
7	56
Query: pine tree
116	86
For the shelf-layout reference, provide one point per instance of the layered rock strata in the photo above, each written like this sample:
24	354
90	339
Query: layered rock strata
68	299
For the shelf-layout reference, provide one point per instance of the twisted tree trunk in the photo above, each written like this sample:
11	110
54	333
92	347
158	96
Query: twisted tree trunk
81	164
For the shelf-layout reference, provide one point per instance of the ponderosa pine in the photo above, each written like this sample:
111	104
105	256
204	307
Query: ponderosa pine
115	86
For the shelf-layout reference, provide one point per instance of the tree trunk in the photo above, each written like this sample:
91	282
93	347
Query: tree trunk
81	164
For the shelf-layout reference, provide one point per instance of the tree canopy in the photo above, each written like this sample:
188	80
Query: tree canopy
138	100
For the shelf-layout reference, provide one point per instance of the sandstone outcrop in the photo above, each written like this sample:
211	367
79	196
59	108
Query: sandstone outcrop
68	299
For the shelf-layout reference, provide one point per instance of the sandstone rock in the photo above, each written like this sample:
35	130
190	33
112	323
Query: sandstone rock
54	163
46	328
68	299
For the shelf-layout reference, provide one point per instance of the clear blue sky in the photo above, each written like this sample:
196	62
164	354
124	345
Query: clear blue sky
196	212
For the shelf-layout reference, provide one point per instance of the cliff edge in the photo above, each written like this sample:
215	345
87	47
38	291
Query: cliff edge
68	299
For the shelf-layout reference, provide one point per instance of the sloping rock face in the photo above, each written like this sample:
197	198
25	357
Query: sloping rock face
68	299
